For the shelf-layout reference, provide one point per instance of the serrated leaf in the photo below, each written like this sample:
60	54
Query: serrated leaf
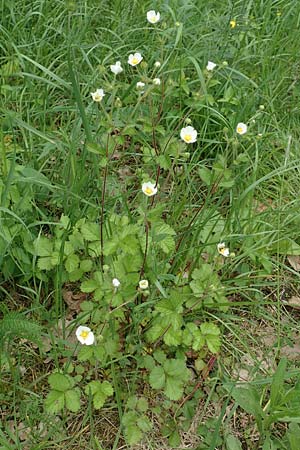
173	388
43	246
85	353
72	262
90	231
45	263
89	285
209	328
163	236
174	439
60	382
170	305
99	352
198	340
54	402
129	418
173	336
133	434
144	423
76	275
157	377
86	265
72	398
205	175
176	368
100	392
142	404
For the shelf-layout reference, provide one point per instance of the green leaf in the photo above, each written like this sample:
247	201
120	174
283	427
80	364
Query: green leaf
174	439
93	147
211	333
248	398
170	305
85	353
213	343
205	175
173	336
76	275
157	378
277	383
43	246
269	444
60	382
45	263
90	231
198	340
72	398
100	392
72	262
144	423
232	443
142	404
86	265
54	402
133	434
89	285
162	235
176	368
293	435
174	388
286	247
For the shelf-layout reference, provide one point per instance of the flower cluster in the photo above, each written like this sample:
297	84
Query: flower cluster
133	60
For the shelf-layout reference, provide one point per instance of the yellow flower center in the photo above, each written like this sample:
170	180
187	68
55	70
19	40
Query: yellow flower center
153	19
135	61
148	190
188	138
240	130
84	334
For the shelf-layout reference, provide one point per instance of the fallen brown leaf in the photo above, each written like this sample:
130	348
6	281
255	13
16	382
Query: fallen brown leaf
294	261
74	300
294	302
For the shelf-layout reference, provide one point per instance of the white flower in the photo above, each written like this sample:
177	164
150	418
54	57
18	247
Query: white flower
143	284
135	59
223	250
152	16
156	81
140	86
116	68
85	335
157	64
188	134
241	128
115	282
210	65
97	95
149	188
